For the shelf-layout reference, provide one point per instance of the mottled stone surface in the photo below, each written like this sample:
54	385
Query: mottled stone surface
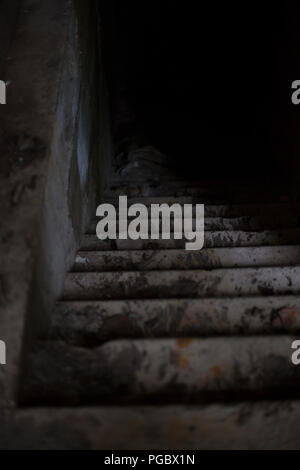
113	337
269	425
92	323
216	239
144	260
196	283
170	370
232	224
220	210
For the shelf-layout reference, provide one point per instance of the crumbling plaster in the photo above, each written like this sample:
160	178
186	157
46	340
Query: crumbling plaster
48	166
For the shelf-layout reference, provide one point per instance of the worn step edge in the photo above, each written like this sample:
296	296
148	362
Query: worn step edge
233	211
181	259
217	239
266	425
202	183
218	224
208	195
186	284
92	323
179	370
236	208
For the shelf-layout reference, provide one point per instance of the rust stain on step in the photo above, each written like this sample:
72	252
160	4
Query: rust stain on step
182	362
184	342
288	316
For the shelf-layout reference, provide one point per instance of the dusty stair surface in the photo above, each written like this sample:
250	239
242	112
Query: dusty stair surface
148	323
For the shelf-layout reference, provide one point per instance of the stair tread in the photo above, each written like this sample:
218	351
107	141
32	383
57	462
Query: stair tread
167	199
188	283
239	209
183	259
148	322
93	322
245	223
212	193
167	369
215	239
259	425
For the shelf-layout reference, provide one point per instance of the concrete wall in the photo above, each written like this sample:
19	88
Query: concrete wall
49	165
71	186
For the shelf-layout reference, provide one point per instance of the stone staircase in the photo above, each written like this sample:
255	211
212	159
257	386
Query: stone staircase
146	323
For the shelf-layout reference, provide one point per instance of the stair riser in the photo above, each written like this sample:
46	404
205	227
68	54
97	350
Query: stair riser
164	284
92	323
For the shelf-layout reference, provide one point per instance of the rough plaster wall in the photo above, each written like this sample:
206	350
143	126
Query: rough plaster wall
65	196
58	237
43	205
71	187
26	128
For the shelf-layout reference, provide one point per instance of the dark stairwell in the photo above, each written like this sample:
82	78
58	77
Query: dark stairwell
145	335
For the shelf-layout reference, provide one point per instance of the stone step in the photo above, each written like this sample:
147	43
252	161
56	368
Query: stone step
182	284
173	180
213	210
147	201
216	239
170	370
220	210
92	323
251	210
209	194
146	260
245	223
248	425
